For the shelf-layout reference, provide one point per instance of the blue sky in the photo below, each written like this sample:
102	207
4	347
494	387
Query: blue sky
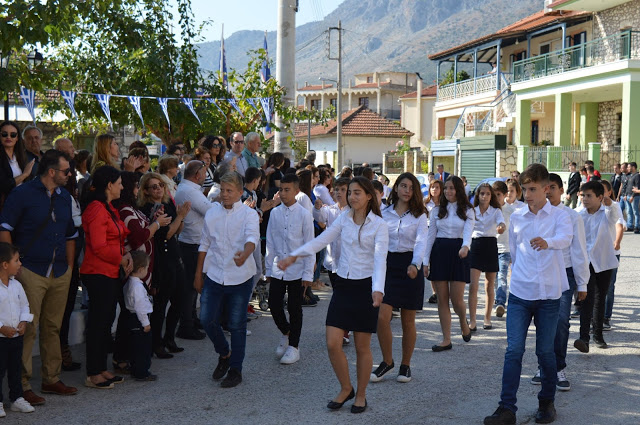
251	14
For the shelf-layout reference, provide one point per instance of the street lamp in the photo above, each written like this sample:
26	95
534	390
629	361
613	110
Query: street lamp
4	64
34	59
339	157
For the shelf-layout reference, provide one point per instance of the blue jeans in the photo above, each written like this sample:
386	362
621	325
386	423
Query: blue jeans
635	204
319	260
234	300
630	211
564	314
545	317
608	303
502	286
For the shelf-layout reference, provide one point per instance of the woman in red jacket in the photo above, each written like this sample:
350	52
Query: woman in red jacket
105	235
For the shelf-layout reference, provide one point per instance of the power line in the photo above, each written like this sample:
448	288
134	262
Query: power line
383	39
311	41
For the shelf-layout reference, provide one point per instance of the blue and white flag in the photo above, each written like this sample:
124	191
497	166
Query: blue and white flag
70	99
265	72
267	109
189	102
222	77
234	103
103	99
163	104
28	97
217	106
135	102
252	102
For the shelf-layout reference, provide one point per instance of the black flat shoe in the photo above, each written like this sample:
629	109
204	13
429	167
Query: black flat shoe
438	348
487	327
359	409
335	405
161	353
172	347
116	379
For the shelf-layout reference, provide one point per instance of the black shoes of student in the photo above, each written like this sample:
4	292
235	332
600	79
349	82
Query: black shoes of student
233	378
192	334
600	342
581	345
467	337
359	409
335	405
149	378
161	353
546	412
501	416
438	348
380	371
221	369
433	299
172	347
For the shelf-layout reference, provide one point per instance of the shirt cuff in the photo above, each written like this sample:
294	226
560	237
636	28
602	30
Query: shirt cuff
26	317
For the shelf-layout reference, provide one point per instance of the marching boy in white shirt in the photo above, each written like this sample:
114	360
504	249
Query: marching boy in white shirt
538	233
599	223
290	227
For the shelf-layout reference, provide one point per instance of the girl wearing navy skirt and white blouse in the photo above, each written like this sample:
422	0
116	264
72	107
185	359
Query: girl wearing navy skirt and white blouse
448	243
358	289
484	251
404	286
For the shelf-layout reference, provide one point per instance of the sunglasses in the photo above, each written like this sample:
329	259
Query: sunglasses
156	186
12	135
218	145
66	171
238	142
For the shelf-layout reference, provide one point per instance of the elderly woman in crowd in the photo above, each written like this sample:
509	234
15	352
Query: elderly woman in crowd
168	170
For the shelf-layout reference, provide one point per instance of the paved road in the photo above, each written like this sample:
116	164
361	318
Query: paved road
460	386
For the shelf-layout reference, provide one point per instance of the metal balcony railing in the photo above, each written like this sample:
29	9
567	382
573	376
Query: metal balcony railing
621	46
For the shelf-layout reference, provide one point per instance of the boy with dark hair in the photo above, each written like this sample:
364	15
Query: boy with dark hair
599	223
290	227
577	267
538	233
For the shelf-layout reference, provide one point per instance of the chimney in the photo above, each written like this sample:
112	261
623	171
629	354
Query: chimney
547	9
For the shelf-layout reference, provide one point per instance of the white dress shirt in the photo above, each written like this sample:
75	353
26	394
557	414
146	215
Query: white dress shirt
485	226
241	162
407	233
450	227
503	239
137	300
304	201
194	221
621	221
599	227
328	214
322	192
539	275
14	306
289	228
575	256
363	251
517	204
225	232
430	206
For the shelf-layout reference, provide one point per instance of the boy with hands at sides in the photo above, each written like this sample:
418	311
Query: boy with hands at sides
538	234
290	227
224	275
14	315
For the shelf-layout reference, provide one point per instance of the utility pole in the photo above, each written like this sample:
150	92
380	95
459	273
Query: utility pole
285	66
339	147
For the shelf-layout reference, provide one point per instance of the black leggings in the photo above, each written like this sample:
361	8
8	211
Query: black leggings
170	289
103	297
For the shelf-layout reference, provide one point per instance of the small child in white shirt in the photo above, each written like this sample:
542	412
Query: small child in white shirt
14	316
138	308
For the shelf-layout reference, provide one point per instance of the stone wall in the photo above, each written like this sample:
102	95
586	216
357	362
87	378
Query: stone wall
506	161
608	123
611	21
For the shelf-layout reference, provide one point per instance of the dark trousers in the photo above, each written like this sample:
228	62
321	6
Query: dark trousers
11	363
593	306
121	347
170	289
140	345
277	289
190	260
73	292
103	297
332	278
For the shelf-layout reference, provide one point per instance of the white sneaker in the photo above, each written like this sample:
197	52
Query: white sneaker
2	412
22	405
248	332
282	347
291	356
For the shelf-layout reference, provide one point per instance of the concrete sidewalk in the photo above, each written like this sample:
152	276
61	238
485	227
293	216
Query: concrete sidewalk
460	386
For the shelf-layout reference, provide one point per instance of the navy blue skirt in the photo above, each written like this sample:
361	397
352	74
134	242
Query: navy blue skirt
351	307
445	264
400	291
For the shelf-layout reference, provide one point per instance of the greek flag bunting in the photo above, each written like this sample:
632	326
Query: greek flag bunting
234	103
252	102
135	102
189	102
217	106
163	104
70	99
103	99
266	108
28	97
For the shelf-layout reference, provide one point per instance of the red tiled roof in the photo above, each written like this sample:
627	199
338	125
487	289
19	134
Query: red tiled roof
316	87
356	122
370	85
535	21
429	91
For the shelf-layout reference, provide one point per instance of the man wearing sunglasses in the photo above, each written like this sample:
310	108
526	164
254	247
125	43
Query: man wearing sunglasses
237	147
39	215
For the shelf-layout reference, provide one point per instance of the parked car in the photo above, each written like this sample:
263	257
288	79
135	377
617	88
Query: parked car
489	180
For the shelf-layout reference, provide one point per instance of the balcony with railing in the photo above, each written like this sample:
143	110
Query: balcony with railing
474	86
621	46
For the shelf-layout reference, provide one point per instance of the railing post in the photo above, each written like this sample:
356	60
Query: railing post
406	167
594	154
415	162
384	163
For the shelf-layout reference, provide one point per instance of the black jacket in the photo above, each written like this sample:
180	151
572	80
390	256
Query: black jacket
574	183
616	181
